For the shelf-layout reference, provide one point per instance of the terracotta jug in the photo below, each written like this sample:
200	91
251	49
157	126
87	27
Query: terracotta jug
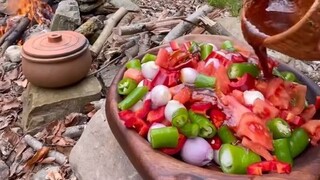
291	27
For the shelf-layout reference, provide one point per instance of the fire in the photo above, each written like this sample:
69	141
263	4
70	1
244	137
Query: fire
35	10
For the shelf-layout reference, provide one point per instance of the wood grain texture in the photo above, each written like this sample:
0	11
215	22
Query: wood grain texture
152	164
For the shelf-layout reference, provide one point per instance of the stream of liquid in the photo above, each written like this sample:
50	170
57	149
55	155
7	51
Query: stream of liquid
267	18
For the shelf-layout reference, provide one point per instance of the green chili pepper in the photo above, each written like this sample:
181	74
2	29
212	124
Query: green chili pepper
207	129
289	76
194	47
299	141
227	45
134	63
282	150
166	137
191	130
133	97
279	128
236	159
180	117
226	135
237	70
148	57
126	85
205	50
203	81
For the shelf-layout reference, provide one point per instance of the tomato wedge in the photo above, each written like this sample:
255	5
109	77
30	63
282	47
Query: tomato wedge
277	93
308	112
264	110
254	128
223	80
297	93
313	128
257	148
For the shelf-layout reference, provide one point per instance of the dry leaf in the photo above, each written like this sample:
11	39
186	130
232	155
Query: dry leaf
12	75
74	119
4	86
40	154
54	175
22	83
11	105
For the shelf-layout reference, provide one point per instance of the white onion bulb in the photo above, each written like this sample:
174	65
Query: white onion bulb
149	70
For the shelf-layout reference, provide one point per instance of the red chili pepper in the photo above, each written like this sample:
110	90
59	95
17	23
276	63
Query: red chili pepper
161	78
317	104
147	83
126	115
174	45
143	112
269	166
246	82
141	127
173	78
238	58
215	142
217	117
172	151
156	115
201	107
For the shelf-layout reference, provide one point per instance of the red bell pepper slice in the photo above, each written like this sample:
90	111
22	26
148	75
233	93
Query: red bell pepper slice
238	58
156	115
163	58
246	82
174	45
215	142
143	112
178	57
269	166
189	63
171	151
147	83
141	127
186	46
317	104
217	117
173	78
218	56
161	78
201	107
126	115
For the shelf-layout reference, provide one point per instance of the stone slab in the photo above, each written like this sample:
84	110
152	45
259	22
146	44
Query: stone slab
107	75
41	106
97	154
129	5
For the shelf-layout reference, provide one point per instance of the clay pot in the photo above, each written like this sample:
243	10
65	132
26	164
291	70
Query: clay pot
300	41
152	164
56	59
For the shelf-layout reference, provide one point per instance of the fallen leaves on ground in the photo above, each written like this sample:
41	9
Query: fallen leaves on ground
40	155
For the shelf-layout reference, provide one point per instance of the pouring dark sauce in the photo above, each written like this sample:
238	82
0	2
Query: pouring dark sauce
266	18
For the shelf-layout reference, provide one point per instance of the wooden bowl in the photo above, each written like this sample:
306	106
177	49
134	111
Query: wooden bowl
153	164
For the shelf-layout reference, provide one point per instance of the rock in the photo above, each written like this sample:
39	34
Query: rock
66	17
8	66
88	7
108	74
87	1
97	154
129	5
13	53
35	30
41	106
42	173
4	170
232	24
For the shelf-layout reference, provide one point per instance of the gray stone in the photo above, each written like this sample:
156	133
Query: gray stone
87	1
107	75
88	7
41	106
129	5
232	24
42	173
66	17
97	154
8	66
4	170
13	53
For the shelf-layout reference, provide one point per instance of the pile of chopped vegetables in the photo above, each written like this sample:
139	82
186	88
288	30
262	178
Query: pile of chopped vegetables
205	104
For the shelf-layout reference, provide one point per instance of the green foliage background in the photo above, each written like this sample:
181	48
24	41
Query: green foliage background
233	6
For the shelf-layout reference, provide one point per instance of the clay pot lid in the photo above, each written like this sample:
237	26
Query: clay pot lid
54	44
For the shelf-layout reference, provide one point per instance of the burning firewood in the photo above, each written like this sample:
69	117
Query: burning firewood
15	34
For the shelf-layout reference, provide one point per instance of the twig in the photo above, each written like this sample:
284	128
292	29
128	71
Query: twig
105	65
5	35
36	145
183	27
107	30
74	131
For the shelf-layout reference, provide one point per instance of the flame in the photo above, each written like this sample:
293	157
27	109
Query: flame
35	9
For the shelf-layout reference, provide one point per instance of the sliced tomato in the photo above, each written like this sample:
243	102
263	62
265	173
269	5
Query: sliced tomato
238	95
255	129
183	96
176	89
261	86
208	70
257	148
308	112
264	110
298	94
174	45
173	78
292	119
277	93
236	108
134	74
246	82
223	80
163	58
156	116
313	128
